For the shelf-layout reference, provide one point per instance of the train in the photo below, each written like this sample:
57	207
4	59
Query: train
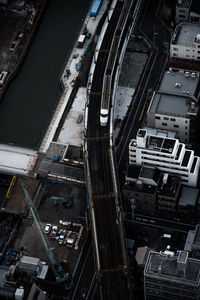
105	100
112	63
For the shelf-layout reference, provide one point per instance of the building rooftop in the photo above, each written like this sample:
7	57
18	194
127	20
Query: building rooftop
187	33
173	105
166	267
188	196
16	160
183	3
170	188
164	145
178	83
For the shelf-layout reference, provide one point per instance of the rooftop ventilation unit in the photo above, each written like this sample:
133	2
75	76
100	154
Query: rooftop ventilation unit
165	178
187	74
177	84
198	38
192	105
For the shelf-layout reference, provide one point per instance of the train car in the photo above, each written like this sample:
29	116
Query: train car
112	63
105	100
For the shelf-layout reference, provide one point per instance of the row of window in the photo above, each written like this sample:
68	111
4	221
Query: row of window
169	165
188	56
167	119
175	126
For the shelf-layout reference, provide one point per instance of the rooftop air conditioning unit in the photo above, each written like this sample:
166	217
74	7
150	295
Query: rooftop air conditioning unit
193	75
177	84
198	38
187	74
192	105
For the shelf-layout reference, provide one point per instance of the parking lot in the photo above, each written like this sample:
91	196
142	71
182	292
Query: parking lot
53	210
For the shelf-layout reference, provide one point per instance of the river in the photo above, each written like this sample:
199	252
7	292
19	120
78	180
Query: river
32	96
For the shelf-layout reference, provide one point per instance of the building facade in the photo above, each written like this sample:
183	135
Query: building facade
158	148
182	10
178	113
185	42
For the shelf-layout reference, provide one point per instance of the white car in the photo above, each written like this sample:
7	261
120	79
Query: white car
47	228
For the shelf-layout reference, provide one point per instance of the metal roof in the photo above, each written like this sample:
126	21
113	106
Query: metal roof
168	104
187	33
177	83
165	267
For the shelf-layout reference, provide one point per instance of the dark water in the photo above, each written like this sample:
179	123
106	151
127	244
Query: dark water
31	98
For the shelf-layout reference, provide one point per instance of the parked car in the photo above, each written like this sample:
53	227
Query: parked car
71	240
54	232
62	237
47	228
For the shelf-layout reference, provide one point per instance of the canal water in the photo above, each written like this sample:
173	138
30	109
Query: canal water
32	96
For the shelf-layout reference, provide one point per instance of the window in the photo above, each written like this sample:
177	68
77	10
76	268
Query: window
176	126
164	124
165	118
186	121
175	49
198	57
181	16
157	118
198	46
187	55
187	49
175	54
172	119
185	127
186	133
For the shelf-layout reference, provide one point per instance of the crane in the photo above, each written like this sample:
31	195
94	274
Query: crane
58	271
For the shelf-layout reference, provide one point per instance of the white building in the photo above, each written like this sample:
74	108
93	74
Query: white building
159	148
185	42
182	10
175	106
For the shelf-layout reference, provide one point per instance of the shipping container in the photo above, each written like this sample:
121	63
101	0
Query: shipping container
95	8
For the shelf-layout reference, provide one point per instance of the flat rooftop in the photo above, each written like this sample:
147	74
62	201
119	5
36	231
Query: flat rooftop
187	33
161	144
165	267
176	82
172	105
183	4
16	159
188	196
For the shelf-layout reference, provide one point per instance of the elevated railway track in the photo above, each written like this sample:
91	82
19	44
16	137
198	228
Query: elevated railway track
108	235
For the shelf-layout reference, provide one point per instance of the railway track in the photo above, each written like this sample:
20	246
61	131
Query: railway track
111	260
